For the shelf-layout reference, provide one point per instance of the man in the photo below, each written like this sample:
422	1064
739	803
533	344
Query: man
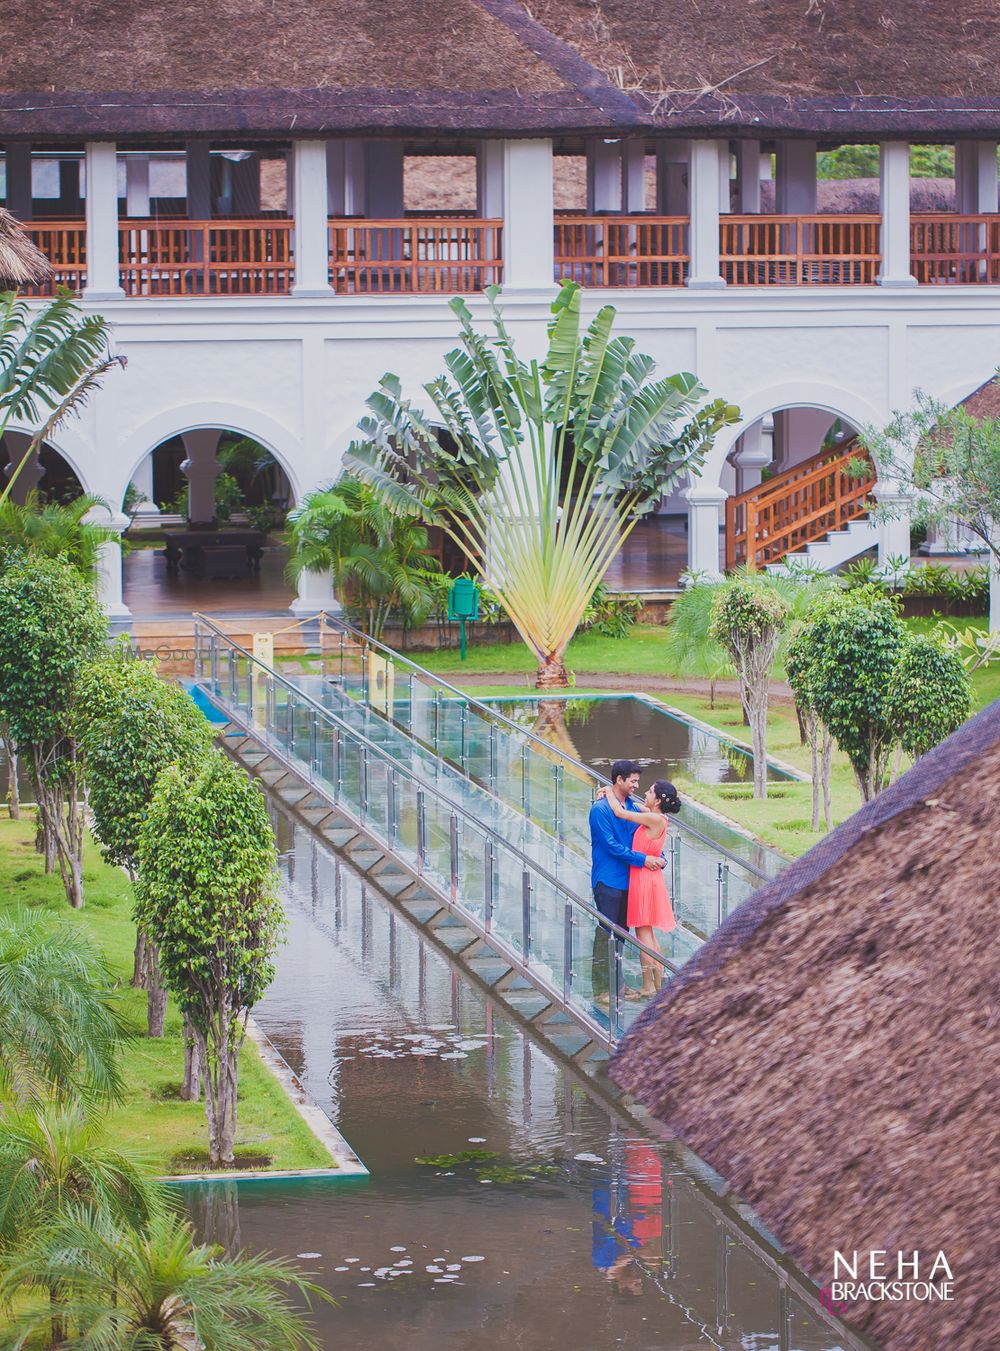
611	857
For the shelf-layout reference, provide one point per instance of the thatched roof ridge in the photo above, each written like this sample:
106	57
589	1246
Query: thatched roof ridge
834	1052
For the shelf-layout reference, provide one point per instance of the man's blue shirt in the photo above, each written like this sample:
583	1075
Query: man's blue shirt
611	847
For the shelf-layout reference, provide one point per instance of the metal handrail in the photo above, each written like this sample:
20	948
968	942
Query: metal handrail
521	733
527	863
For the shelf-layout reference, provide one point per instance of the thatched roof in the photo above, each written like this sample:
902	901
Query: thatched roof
281	67
845	67
21	263
834	1050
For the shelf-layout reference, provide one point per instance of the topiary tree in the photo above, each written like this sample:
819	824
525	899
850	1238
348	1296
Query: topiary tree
747	620
546	466
134	724
206	894
801	657
51	625
930	694
857	639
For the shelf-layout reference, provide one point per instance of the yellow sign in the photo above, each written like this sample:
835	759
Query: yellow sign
263	650
380	683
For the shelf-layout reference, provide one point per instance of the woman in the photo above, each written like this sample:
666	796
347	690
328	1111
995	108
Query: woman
648	902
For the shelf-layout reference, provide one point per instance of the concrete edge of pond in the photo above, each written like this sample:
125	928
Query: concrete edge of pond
346	1162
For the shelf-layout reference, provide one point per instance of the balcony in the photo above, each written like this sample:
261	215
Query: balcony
464	254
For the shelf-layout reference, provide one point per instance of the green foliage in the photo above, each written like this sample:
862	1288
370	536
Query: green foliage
689	645
60	1030
265	517
746	611
51	530
846	655
50	626
51	359
53	1157
378	558
152	1289
929	695
862	161
611	613
135	724
207	898
544	466
228	498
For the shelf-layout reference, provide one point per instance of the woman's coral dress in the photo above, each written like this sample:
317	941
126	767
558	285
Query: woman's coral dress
648	901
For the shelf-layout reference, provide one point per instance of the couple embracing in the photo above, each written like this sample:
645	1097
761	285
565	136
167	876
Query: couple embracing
630	889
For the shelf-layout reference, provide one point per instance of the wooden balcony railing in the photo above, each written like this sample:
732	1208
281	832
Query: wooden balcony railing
392	256
64	243
799	250
957	250
205	258
792	509
622	250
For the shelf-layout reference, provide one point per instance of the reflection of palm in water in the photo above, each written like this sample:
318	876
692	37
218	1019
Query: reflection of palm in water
550	725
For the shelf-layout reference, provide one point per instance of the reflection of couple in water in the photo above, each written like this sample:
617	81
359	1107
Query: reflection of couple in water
630	889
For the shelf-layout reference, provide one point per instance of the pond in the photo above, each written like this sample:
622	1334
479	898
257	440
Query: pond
508	1200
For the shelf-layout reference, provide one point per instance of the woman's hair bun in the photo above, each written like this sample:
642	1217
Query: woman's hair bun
666	796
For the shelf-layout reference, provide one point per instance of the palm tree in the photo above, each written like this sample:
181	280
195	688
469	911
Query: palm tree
54	530
376	556
22	263
158	1290
548	466
59	1030
51	361
53	1158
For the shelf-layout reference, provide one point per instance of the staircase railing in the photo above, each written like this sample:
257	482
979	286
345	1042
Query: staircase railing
805	503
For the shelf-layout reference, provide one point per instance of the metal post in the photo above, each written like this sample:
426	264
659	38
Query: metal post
453	841
675	876
290	721
421	830
214	663
363	782
437	721
232	679
725	888
462	718
559	787
524	778
493	757
526	913
392	808
313	742
269	705
335	763
411	702
197	649
568	921
489	864
718	891
614	985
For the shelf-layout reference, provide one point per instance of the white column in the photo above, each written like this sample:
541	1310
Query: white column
528	215
199	181
725	179
672	160
893	528
19	194
142	481
704	507
312	247
489	179
109	565
754	452
137	185
704	175
604	176
102	222
201	469
384	180
633	177
345	178
975	177
314	593
748	158
795	178
894	175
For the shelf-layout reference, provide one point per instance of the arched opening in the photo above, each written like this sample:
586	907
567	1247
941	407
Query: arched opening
207	511
47	473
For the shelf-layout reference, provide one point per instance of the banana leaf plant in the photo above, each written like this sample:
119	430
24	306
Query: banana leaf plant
546	466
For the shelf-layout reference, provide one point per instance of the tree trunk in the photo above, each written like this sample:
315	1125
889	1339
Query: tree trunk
191	1087
13	788
804	725
156	994
813	729
221	1088
826	762
551	674
139	959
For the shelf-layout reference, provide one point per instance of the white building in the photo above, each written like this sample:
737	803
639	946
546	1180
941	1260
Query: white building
250	201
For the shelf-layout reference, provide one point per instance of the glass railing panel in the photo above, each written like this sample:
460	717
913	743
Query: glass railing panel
472	869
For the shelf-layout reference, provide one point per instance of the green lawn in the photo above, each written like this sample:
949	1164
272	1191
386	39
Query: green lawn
152	1123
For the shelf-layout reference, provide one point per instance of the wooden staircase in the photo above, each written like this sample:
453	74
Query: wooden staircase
793	509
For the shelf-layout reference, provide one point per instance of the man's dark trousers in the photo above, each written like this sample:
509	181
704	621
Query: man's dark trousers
613	905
